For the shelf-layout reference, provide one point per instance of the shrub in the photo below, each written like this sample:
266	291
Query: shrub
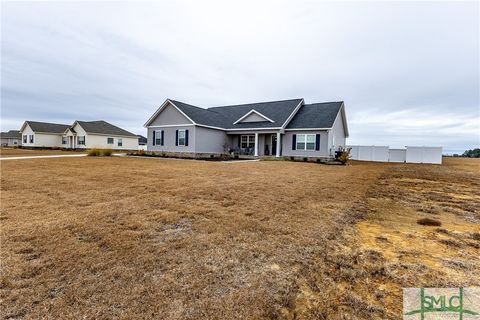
94	152
344	156
305	159
429	222
107	152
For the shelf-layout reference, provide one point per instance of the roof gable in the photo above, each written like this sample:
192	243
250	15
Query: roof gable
277	111
253	116
45	127
166	106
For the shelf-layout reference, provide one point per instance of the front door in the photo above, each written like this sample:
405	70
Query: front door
274	144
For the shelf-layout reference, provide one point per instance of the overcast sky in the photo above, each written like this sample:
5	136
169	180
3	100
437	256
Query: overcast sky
408	72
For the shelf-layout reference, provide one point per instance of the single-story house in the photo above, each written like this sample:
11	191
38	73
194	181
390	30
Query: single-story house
79	135
277	128
11	138
42	134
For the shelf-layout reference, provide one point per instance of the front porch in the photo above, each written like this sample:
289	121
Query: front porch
69	139
256	144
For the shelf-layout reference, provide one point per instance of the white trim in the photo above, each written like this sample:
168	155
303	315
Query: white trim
188	125
51	133
71	130
173	125
109	135
253	111
211	127
184	138
344	120
306	134
306	129
294	112
248	135
253	129
161	109
279	145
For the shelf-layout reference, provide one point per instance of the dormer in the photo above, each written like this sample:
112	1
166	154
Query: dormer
253	116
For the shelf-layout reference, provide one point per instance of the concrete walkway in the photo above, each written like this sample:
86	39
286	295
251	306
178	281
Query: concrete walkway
45	157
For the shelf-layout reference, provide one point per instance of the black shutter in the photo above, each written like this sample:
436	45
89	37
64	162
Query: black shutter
176	137
317	142
186	138
239	138
161	138
153	138
294	142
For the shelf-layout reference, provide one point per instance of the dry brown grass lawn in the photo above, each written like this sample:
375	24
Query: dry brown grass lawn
143	238
15	152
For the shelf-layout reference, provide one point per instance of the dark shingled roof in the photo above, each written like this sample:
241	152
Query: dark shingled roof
142	139
11	134
103	127
316	115
47	127
225	116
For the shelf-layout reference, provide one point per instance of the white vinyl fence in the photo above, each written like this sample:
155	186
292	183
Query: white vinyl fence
385	154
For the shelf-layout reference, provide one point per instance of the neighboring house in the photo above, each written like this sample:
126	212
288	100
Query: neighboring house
279	128
42	134
82	134
142	141
11	138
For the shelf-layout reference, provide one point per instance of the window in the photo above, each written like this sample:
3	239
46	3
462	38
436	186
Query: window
158	138
120	142
81	140
306	142
31	138
110	140
181	137
25	139
64	140
247	141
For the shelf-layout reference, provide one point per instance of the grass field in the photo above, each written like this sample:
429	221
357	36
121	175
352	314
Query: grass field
16	152
158	238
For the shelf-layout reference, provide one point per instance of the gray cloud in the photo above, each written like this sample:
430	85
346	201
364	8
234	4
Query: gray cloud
408	72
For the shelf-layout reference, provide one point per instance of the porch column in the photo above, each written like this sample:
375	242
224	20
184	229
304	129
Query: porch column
278	145
256	145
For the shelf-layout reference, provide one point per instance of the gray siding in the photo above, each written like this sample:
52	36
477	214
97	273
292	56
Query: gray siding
169	137
337	134
170	116
253	117
287	145
210	140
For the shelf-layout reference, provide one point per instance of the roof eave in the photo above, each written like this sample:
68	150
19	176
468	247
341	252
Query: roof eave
344	117
257	113
294	112
163	107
